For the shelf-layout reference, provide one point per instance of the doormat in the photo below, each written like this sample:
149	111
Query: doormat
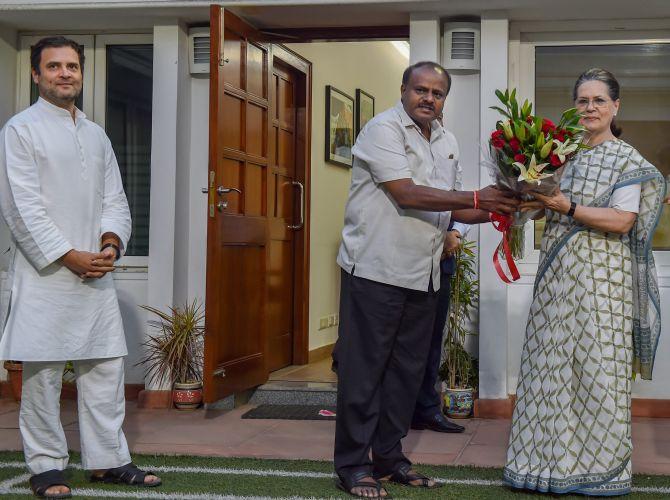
292	412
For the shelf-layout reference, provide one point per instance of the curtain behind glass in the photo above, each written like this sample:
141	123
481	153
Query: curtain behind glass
128	125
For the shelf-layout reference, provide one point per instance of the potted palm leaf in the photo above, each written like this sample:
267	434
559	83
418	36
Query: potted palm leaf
459	371
174	354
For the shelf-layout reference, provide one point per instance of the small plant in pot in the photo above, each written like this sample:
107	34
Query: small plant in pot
459	371
174	355
15	377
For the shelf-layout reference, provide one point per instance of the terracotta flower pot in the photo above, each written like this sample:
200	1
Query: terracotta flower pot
15	376
187	396
458	403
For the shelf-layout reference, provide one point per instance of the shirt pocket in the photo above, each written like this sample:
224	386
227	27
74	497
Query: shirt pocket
444	174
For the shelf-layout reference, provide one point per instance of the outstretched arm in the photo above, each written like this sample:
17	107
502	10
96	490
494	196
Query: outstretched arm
407	194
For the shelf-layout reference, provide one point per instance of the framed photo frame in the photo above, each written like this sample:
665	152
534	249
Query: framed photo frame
365	109
339	127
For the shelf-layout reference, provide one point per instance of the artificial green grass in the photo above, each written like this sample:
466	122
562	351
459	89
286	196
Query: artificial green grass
321	487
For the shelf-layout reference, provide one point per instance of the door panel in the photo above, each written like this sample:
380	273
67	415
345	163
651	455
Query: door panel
283	200
237	232
254	266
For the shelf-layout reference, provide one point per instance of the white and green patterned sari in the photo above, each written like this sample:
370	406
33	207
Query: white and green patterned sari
594	319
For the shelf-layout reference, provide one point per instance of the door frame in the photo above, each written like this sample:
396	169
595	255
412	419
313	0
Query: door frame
303	104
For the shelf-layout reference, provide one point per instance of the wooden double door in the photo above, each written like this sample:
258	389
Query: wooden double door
258	207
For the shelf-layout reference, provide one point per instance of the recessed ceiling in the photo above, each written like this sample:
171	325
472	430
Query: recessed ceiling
35	15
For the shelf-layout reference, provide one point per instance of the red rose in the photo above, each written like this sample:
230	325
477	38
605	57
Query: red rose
497	134
547	126
498	143
514	144
555	160
520	157
561	135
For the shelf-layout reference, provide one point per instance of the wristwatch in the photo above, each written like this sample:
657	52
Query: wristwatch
115	247
571	212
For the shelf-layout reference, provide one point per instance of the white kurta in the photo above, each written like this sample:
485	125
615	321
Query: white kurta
60	189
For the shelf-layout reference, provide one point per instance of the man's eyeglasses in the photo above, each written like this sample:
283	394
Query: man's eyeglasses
598	102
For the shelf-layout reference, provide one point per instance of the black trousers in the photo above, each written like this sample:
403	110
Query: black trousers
384	337
428	402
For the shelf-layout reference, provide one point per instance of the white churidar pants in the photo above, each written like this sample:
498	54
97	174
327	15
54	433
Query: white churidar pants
101	403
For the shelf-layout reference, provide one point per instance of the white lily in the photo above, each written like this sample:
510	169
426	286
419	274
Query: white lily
563	149
534	171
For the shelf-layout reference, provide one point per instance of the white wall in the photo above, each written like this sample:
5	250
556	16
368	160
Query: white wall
375	67
461	117
8	58
493	364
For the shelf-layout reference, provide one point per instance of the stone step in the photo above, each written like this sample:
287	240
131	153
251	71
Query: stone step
295	393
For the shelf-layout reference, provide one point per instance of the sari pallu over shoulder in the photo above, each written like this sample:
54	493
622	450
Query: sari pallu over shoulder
646	299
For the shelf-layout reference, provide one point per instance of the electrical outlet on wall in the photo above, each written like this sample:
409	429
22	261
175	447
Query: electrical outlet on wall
323	322
331	320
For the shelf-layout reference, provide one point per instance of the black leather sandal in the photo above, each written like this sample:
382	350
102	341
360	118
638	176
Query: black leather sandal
128	474
404	475
356	480
40	483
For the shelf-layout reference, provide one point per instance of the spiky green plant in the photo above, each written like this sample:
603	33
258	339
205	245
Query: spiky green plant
459	369
175	353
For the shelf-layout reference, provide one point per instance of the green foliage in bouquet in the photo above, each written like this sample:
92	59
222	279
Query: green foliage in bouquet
525	144
460	369
175	353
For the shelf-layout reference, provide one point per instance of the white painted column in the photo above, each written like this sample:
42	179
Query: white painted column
8	99
424	38
493	292
163	167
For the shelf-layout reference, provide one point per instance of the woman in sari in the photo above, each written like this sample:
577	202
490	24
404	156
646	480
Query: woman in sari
595	317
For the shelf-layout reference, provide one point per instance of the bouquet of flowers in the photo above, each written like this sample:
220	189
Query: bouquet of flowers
527	154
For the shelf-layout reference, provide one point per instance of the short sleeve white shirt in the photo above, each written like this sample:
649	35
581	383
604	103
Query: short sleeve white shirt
381	241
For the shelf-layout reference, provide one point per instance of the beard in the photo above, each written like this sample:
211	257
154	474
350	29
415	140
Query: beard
60	96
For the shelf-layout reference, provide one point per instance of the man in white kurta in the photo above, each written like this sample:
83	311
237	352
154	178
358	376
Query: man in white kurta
62	198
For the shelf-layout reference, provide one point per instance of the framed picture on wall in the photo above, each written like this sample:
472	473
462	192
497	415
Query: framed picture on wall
365	109
339	127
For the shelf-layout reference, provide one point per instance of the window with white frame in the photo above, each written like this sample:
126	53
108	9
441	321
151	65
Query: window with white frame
643	72
117	94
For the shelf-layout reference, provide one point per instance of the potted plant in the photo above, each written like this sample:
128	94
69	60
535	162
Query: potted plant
459	371
174	355
15	377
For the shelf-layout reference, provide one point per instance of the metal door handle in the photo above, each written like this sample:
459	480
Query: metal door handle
222	190
302	206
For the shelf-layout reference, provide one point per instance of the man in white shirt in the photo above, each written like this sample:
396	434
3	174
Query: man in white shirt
62	198
405	188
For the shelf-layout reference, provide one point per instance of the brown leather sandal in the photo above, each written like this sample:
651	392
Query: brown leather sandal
404	475
357	480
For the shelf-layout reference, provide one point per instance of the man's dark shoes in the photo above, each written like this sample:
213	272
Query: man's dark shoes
438	424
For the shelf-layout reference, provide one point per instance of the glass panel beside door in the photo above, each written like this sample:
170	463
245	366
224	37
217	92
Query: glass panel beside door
643	71
128	125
